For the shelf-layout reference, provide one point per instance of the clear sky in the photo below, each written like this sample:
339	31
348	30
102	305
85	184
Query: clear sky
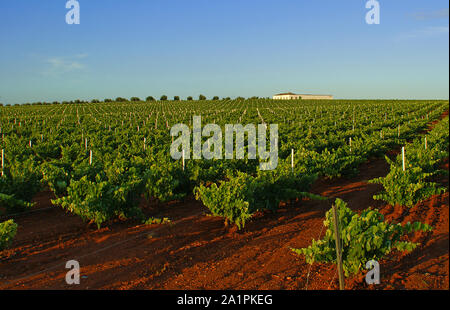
222	47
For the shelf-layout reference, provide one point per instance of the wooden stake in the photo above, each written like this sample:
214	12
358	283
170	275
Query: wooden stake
338	248
403	158
90	157
183	159
3	161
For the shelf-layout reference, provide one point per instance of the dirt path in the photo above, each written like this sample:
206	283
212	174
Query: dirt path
197	252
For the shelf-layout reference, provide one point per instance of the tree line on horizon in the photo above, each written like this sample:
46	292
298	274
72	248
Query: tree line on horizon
132	99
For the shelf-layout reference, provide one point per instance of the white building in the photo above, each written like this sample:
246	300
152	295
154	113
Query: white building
290	96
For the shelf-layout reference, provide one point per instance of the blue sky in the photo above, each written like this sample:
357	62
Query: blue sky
222	47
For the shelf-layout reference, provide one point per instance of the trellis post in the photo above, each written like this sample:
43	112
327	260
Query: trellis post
3	161
338	248
403	158
183	159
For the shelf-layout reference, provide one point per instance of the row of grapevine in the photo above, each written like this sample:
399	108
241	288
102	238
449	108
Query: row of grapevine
100	159
408	181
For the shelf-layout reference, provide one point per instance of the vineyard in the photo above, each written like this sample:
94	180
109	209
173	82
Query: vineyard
96	182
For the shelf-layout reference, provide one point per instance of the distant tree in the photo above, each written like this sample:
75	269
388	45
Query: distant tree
120	99
95	101
135	99
215	98
240	98
176	98
1	104
55	102
149	98
163	98
201	97
65	102
190	98
7	105
227	98
107	100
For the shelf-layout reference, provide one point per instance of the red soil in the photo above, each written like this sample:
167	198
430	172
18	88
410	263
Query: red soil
196	251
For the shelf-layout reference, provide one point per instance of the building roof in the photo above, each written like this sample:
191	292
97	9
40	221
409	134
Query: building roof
292	94
283	94
313	95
